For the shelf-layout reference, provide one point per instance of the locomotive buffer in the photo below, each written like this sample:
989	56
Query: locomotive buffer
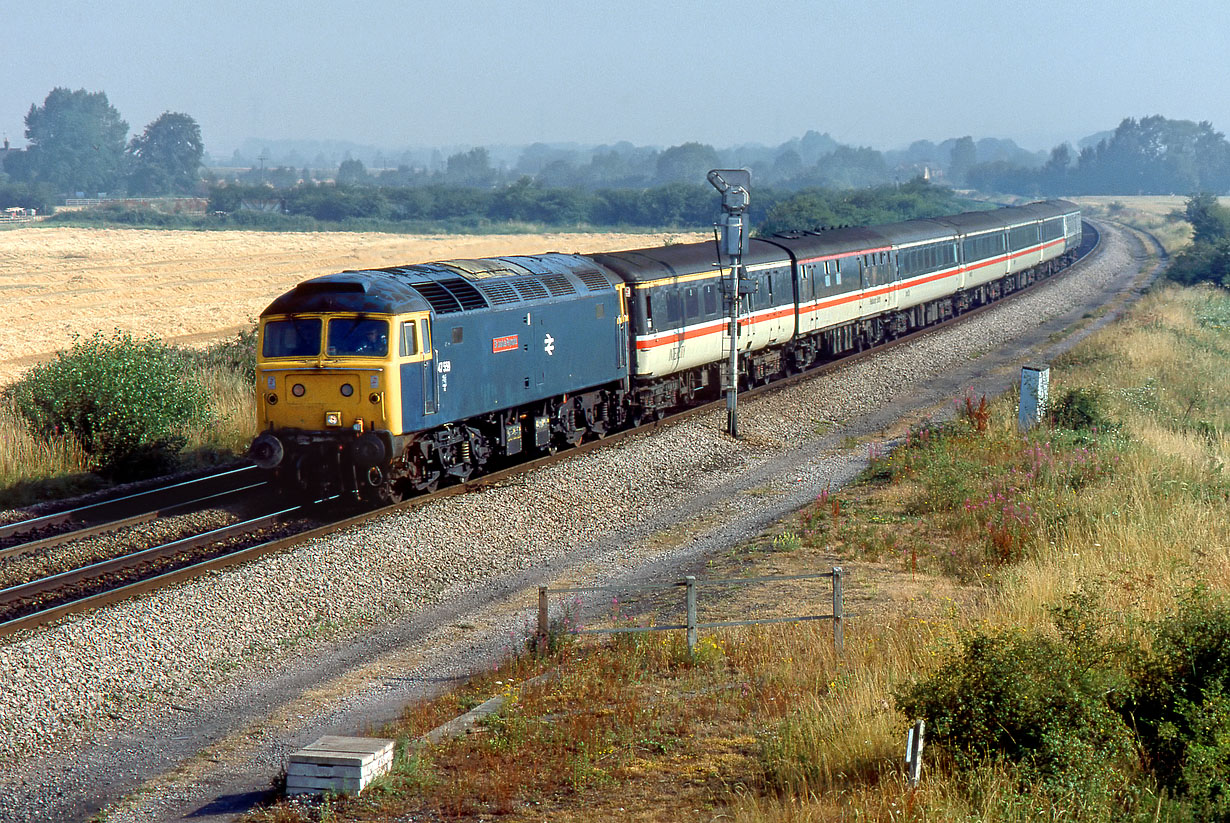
732	241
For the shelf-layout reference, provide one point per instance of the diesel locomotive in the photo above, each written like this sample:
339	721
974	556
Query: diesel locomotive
386	382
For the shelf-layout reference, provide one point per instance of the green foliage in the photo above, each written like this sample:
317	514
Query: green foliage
819	208
1210	220
1068	710
1080	409
1028	699
235	354
352	173
40	196
1179	703
126	402
1152	155
76	141
686	163
1207	259
166	158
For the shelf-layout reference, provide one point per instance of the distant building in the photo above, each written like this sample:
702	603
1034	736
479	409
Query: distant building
5	152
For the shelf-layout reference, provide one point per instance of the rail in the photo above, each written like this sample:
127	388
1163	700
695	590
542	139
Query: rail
693	625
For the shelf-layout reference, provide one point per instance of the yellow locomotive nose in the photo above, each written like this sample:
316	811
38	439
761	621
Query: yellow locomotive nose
319	398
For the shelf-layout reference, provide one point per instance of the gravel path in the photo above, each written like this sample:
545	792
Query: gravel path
218	678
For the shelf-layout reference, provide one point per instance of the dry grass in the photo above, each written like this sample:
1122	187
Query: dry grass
191	287
1160	215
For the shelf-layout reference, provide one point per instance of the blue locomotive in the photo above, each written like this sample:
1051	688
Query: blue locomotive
386	382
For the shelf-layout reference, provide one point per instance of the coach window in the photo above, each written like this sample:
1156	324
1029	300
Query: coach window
674	307
711	301
691	304
648	313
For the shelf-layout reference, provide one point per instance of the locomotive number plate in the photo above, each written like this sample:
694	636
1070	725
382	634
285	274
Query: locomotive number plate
499	344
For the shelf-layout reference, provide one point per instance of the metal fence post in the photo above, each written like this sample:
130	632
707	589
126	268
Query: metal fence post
838	633
542	613
691	584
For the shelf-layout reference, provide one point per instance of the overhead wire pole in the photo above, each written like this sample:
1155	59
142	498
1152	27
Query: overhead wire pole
733	184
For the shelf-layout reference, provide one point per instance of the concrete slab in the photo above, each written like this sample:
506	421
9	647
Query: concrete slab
343	765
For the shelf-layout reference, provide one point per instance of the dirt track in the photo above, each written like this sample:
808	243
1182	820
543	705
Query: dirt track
188	286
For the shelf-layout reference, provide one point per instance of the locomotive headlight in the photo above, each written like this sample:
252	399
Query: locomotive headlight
298	390
333	418
374	398
272	399
347	390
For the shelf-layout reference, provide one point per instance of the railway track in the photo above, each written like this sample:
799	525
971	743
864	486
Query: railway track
45	599
55	529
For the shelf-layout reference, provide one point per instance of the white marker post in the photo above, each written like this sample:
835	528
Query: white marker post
1035	386
913	753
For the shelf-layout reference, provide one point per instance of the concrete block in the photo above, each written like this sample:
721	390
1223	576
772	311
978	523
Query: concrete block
343	765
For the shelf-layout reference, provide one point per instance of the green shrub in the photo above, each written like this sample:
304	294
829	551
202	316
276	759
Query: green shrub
1026	699
235	354
1178	702
126	402
1079	410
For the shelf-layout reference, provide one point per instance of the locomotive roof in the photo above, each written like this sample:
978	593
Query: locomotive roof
448	286
662	262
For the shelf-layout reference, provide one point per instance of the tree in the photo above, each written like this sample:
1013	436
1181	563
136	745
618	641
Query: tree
352	173
687	163
1210	220
166	158
963	158
471	168
76	141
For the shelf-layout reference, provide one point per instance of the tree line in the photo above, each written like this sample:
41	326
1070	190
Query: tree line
1152	155
78	143
679	205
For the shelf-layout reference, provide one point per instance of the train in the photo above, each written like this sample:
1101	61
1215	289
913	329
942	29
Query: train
387	382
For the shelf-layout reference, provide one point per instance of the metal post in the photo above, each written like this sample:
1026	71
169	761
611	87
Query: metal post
733	185
691	584
732	386
543	622
838	629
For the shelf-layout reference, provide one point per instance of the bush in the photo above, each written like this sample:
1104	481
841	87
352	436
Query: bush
234	354
1080	410
126	402
1027	699
1180	701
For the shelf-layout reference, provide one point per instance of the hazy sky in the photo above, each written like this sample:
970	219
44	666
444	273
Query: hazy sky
475	72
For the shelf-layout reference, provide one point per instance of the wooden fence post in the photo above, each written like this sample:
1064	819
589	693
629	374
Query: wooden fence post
838	629
543	622
691	584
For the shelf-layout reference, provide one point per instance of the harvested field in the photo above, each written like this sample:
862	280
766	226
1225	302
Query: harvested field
187	286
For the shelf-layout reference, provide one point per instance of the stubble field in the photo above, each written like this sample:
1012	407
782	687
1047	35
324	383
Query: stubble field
187	287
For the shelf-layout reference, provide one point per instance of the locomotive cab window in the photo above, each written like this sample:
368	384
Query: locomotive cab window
358	337
409	339
296	337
